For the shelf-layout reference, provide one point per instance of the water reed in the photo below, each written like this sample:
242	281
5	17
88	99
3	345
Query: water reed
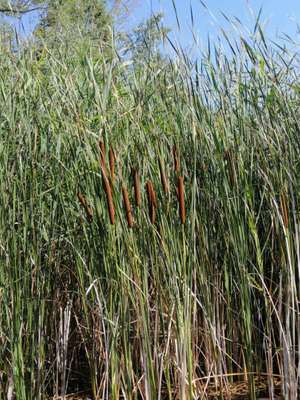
86	207
152	201
137	187
127	207
180	188
102	156
163	177
176	159
112	160
189	306
109	197
284	210
229	158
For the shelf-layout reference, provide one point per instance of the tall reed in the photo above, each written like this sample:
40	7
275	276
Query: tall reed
163	177
180	190
86	207
137	187
127	207
176	159
112	160
152	201
109	196
204	310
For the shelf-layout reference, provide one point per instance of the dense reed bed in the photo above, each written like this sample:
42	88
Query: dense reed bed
149	224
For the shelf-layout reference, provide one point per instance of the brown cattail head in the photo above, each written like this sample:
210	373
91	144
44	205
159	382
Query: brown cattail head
181	199
284	209
137	187
112	160
102	155
127	207
81	199
153	195
152	202
164	181
109	198
176	160
84	204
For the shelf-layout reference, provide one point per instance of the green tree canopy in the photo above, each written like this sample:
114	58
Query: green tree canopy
69	20
16	7
69	16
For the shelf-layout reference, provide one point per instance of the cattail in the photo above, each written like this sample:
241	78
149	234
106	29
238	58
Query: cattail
163	177
181	200
112	160
84	204
152	203
109	197
102	154
137	187
176	159
284	210
81	199
127	207
153	195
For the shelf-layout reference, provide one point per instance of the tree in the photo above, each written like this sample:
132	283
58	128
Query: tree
73	19
69	20
18	7
144	43
88	15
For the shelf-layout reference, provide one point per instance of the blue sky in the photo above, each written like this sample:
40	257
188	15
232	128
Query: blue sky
278	16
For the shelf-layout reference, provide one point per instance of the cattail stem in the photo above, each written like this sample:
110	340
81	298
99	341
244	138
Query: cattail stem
176	160
110	203
153	195
164	181
84	204
228	156
112	160
137	187
284	210
152	202
127	207
181	200
102	155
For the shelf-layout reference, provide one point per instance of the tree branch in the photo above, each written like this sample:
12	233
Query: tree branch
18	11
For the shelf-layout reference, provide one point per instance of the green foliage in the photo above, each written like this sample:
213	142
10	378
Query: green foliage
74	18
73	22
146	39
